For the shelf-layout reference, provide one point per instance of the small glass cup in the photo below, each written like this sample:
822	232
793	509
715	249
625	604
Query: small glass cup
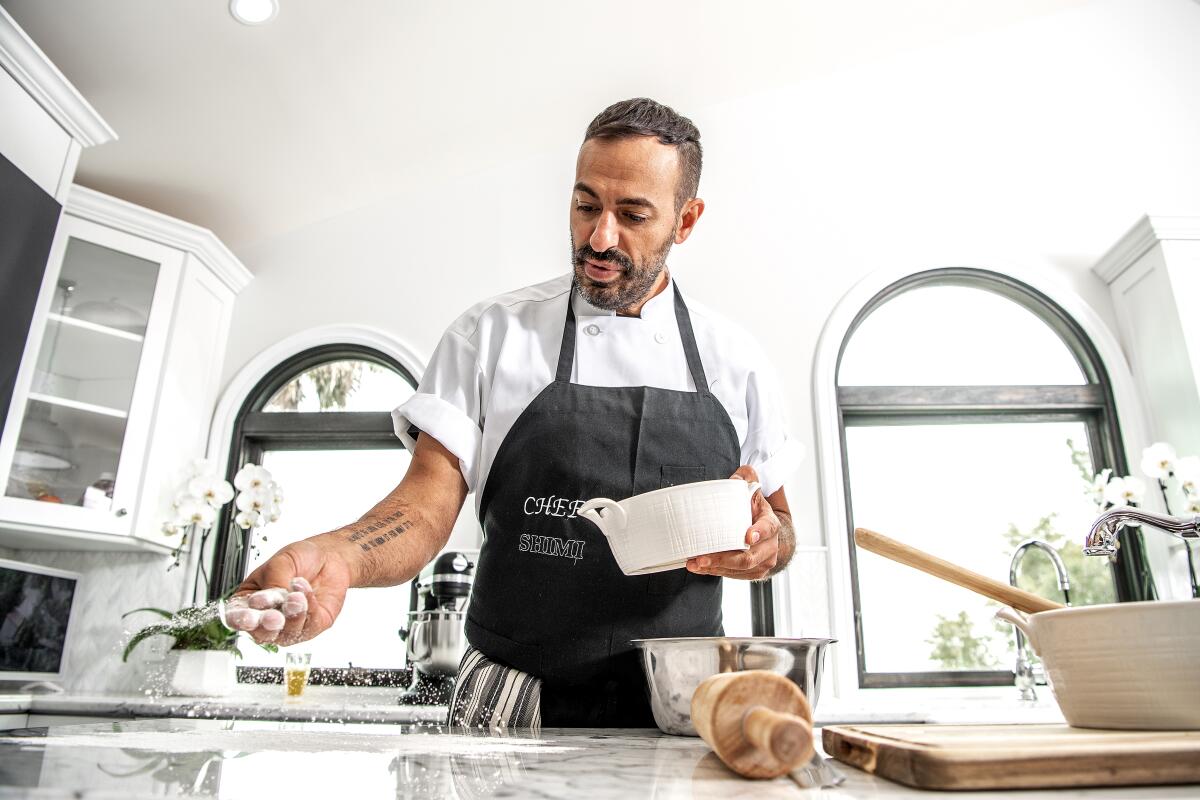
295	673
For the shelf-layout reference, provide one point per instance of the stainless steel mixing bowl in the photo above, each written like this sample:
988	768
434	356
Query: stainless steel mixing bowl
675	667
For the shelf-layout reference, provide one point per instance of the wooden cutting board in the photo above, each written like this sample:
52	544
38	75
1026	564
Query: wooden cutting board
1015	756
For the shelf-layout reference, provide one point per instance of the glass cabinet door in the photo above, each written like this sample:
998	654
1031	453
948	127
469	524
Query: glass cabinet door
84	383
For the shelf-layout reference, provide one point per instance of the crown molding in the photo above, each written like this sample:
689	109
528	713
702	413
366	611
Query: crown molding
1146	232
36	74
119	214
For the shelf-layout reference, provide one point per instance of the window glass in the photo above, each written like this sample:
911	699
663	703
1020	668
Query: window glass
347	385
968	493
323	490
956	336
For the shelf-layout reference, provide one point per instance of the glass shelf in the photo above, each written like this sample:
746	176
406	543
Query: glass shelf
77	409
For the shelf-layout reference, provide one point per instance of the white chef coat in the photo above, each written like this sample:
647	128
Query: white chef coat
499	355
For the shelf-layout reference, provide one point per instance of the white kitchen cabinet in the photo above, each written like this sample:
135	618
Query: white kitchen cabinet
46	122
118	379
1153	273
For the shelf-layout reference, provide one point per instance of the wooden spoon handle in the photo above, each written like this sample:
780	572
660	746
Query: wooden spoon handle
918	559
787	737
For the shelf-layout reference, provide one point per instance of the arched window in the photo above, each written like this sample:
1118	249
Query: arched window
320	422
974	413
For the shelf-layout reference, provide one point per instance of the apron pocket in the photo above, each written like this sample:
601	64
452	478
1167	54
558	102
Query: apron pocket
673	476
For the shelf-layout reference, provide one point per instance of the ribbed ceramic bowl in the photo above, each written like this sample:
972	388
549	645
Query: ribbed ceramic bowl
1132	666
660	530
675	667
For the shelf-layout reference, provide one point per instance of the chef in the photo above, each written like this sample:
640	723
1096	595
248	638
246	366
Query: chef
606	381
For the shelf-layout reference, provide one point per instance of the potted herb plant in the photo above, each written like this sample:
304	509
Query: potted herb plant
203	651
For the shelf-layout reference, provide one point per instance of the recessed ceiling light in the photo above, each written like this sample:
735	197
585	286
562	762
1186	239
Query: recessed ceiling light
253	12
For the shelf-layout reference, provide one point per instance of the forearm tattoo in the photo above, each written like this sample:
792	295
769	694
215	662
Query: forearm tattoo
379	532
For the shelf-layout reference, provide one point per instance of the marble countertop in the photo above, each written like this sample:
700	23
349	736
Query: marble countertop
375	704
263	759
318	704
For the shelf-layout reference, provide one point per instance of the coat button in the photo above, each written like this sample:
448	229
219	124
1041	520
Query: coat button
660	337
592	330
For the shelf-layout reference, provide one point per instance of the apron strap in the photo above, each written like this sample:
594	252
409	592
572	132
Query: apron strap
566	351
683	320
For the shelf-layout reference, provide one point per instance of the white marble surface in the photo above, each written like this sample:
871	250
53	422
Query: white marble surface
374	704
318	704
261	760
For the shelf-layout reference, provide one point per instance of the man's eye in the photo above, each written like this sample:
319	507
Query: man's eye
635	218
584	209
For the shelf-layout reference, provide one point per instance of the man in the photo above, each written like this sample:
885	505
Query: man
602	382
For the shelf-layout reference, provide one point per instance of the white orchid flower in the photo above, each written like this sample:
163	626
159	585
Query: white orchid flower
211	489
251	476
1095	490
1187	470
1125	491
1193	504
170	528
197	512
254	500
247	519
272	513
1158	460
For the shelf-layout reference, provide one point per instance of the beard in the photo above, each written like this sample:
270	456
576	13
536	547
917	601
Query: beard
628	288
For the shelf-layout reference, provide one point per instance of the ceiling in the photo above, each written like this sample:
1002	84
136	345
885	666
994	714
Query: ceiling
340	104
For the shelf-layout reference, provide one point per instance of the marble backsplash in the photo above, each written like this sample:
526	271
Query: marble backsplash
112	584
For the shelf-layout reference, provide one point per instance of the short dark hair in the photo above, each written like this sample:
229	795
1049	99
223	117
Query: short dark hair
641	116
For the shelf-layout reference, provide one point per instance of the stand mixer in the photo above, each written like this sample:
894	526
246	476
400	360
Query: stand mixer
434	638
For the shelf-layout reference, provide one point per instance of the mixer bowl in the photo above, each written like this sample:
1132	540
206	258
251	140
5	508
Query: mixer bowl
675	667
435	641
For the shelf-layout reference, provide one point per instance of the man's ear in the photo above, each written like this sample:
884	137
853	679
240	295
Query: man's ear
688	217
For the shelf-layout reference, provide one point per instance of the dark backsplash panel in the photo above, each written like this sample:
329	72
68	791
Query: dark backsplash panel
28	218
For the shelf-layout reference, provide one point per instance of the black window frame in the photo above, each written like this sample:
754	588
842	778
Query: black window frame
256	431
1092	403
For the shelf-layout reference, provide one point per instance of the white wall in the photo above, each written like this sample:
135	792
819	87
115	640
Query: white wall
1036	145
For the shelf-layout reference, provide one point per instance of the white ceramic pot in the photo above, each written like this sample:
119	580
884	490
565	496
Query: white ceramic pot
204	673
661	530
1133	666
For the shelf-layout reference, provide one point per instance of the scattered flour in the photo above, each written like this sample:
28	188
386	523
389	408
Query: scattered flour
251	741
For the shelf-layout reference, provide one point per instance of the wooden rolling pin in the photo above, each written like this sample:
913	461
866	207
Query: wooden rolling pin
1019	599
758	722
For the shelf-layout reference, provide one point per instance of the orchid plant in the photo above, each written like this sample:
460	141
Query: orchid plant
1160	462
258	501
199	501
196	505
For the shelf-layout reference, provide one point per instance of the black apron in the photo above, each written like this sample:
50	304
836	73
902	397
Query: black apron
548	597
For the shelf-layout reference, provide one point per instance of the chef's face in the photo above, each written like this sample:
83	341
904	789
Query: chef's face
624	219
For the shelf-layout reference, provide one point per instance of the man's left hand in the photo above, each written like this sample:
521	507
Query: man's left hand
760	559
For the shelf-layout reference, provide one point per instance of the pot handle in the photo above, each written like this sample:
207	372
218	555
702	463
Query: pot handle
597	511
1021	621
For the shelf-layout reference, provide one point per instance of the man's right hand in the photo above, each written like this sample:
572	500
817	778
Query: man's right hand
293	596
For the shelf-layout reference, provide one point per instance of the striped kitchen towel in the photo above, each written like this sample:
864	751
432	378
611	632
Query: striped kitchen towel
492	695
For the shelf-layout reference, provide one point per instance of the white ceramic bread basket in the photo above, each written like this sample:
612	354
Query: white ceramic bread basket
660	530
1132	666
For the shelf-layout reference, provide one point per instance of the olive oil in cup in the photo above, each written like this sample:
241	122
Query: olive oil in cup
295	673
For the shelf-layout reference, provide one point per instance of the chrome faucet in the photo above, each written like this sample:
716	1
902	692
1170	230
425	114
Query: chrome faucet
1023	671
1102	538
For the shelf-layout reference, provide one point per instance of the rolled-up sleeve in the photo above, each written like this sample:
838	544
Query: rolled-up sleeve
448	404
769	448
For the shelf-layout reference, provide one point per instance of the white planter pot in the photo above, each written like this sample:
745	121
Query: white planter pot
205	673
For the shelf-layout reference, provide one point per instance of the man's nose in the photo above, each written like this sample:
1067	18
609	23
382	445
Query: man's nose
605	236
